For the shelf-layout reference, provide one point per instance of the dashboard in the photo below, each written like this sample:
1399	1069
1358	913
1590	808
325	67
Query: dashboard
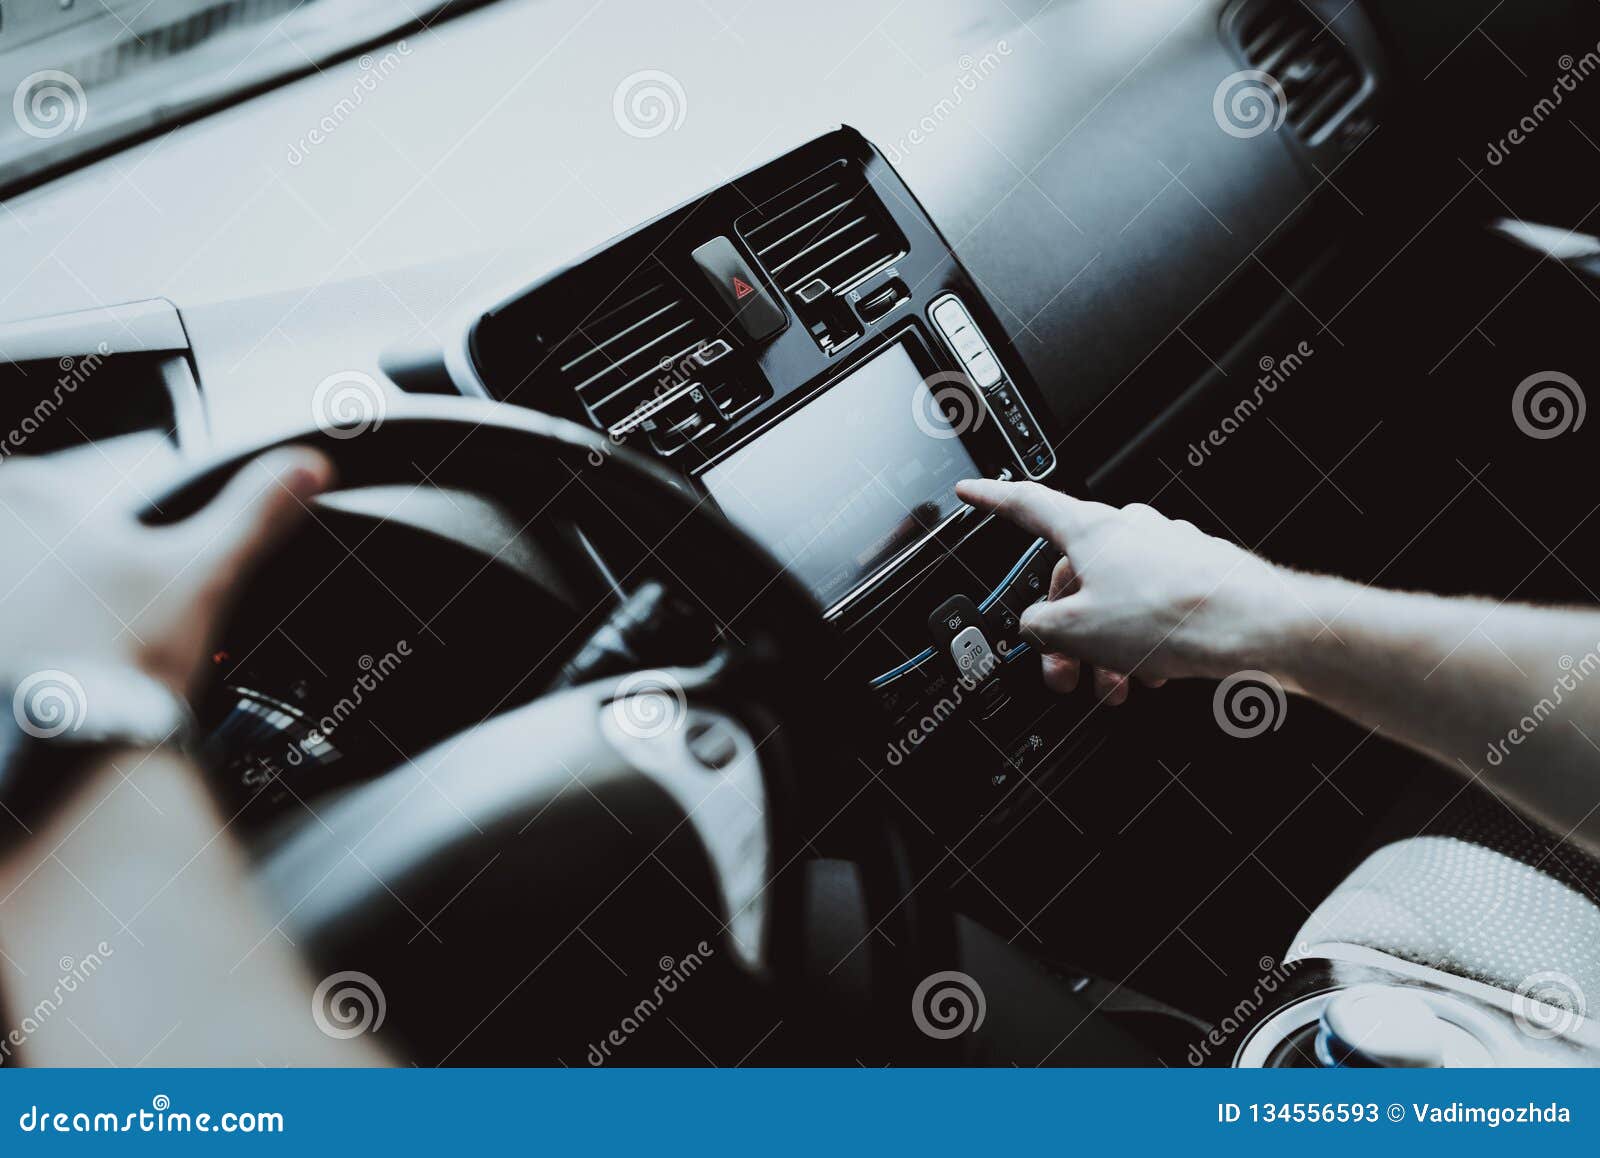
1034	239
870	249
803	346
801	342
441	196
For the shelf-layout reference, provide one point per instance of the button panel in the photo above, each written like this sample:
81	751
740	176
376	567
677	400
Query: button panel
881	301
972	350
999	613
1031	583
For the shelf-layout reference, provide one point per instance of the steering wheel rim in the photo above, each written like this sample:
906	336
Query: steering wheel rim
477	445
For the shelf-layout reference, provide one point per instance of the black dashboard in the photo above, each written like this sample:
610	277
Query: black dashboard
870	249
1084	132
1040	257
803	345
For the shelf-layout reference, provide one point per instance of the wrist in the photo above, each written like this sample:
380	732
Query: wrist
1271	623
1299	626
63	717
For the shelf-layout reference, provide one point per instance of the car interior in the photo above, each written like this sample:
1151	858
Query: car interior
645	626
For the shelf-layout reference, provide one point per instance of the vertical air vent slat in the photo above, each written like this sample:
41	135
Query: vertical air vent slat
593	350
1310	121
803	227
821	241
1283	51
619	357
1321	79
617	363
863	265
1258	38
653	371
830	227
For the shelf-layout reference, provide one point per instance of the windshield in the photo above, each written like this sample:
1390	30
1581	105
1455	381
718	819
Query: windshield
83	74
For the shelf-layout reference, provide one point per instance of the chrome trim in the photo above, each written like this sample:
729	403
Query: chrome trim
635	417
877	576
988	601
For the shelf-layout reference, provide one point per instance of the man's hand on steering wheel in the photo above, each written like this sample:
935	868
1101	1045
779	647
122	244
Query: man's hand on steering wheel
82	579
84	583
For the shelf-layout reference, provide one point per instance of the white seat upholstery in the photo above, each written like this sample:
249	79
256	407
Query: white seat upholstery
1466	909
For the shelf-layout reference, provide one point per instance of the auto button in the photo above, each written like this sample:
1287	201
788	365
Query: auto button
972	653
957	627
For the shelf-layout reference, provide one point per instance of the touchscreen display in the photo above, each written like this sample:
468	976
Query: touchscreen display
855	476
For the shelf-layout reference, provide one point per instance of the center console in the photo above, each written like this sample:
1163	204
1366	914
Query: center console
804	347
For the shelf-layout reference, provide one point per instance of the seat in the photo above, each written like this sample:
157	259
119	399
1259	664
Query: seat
1501	905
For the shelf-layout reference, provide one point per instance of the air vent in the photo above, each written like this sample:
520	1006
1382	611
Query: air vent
145	40
818	239
67	379
830	229
1322	79
635	349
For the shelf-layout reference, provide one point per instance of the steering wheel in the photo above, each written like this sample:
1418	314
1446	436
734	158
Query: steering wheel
489	860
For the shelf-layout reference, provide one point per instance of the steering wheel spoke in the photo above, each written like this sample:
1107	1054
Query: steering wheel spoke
665	802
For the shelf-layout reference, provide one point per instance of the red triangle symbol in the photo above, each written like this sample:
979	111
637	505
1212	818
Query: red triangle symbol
741	288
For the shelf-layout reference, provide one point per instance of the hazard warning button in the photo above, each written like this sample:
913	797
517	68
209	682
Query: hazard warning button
739	290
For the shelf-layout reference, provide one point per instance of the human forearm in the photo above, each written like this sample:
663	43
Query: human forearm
1508	691
131	934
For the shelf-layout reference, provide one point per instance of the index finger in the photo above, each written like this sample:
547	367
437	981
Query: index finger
1032	506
